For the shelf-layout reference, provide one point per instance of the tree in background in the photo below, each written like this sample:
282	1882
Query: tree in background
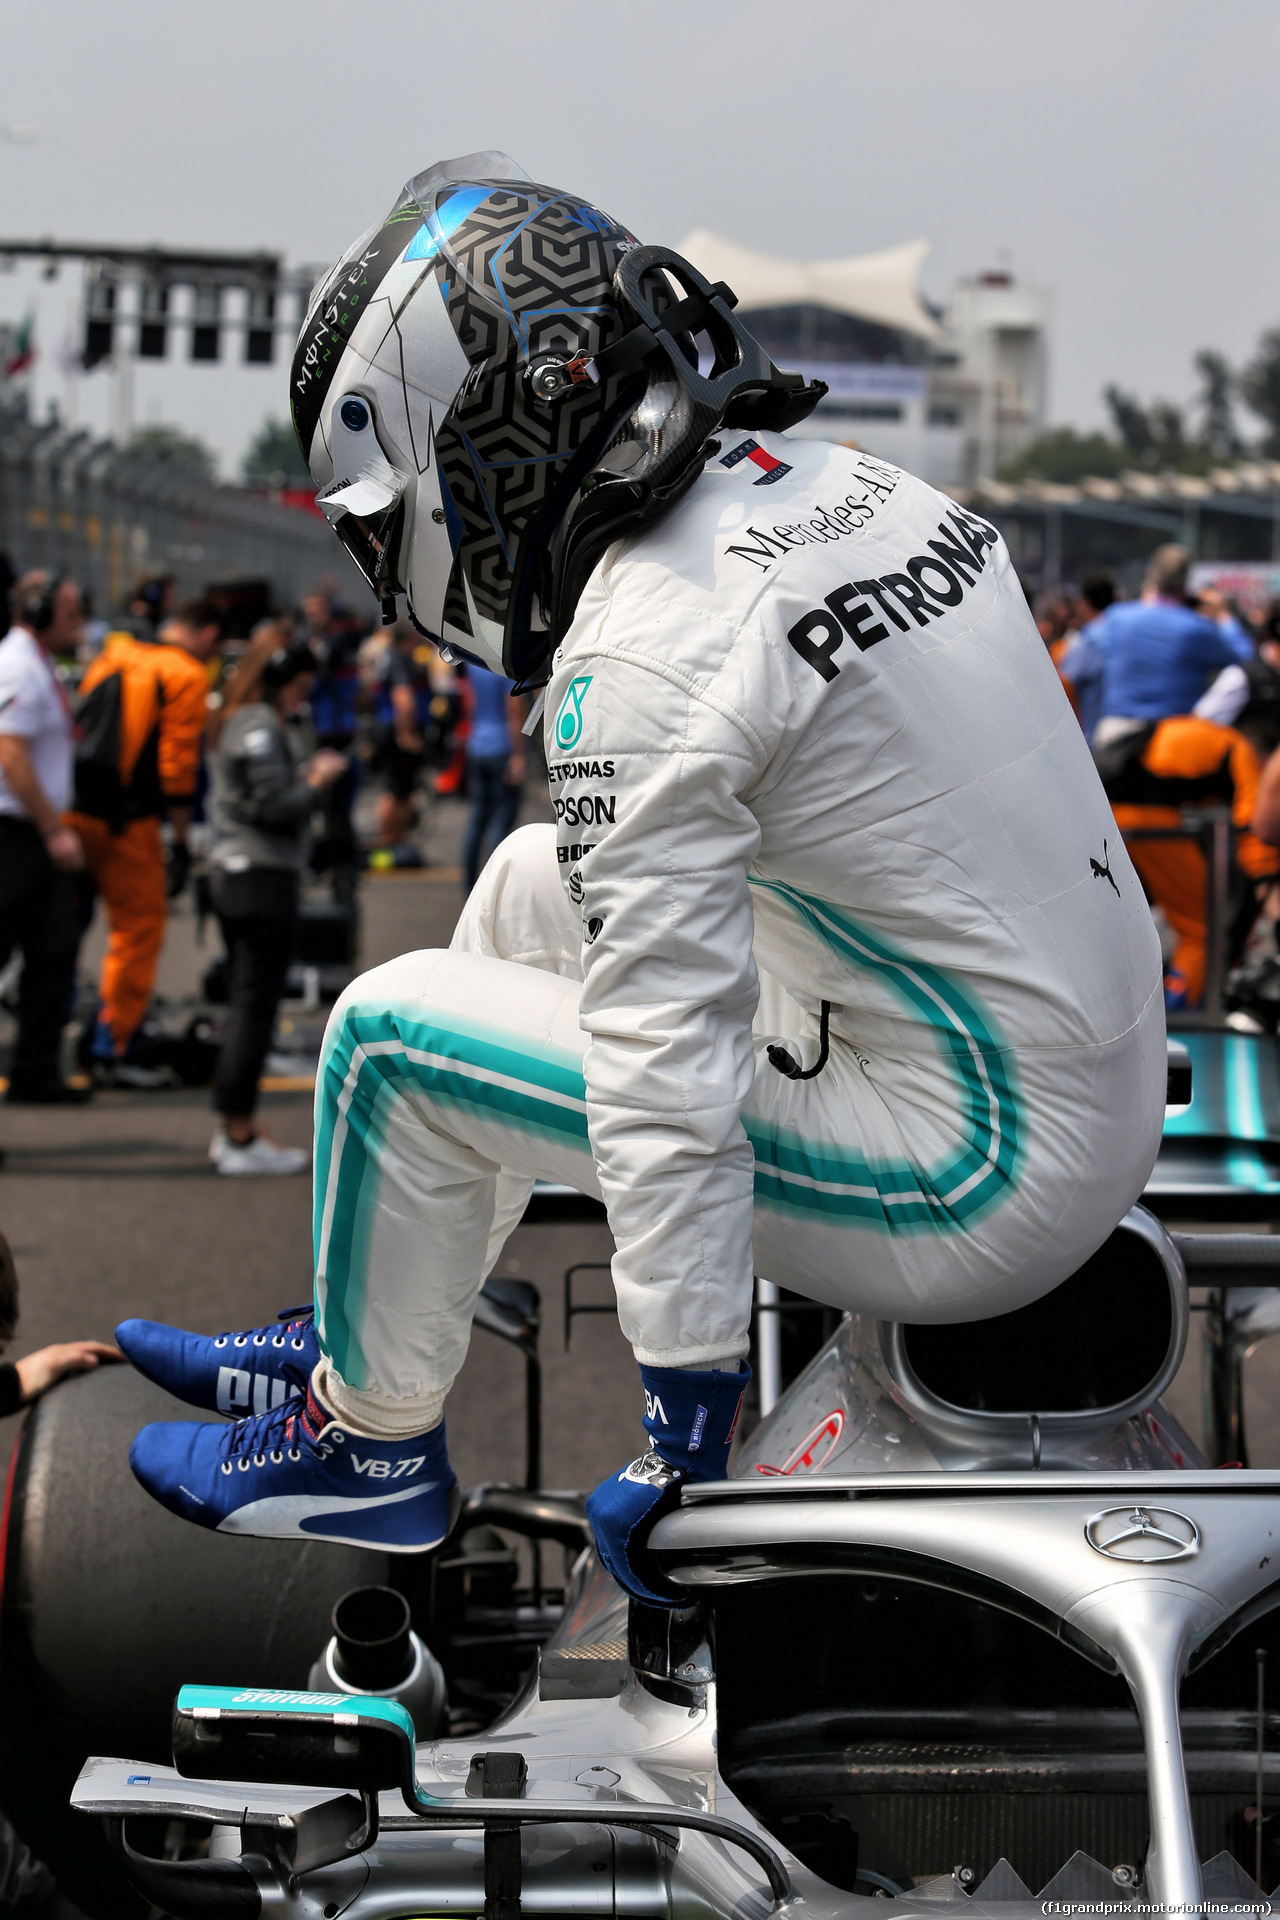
1066	457
182	449
1154	436
1260	389
1219	434
1129	418
274	458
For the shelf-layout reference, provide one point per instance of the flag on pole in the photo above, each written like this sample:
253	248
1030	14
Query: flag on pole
22	348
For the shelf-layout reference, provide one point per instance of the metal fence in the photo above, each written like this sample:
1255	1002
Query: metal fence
106	515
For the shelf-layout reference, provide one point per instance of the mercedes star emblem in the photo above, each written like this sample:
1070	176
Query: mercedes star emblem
1143	1534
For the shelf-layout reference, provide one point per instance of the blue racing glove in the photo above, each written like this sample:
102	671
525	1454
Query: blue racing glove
690	1417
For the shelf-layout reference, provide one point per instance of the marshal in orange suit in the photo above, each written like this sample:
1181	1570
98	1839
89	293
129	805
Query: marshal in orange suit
142	709
1184	761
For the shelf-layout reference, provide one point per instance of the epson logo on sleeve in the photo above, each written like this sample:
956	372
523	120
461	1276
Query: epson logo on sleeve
586	809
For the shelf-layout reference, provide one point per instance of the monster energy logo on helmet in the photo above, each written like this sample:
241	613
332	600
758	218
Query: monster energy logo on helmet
331	321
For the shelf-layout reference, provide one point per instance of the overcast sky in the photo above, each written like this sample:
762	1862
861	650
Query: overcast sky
1121	152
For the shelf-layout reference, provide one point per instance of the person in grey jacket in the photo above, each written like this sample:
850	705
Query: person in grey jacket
261	800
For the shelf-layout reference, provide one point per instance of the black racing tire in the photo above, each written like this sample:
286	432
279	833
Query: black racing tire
110	1604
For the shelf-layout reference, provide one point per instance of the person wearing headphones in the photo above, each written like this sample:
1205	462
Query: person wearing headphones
261	801
39	853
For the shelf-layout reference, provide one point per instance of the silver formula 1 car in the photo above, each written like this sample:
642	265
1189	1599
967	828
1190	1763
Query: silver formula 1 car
972	1621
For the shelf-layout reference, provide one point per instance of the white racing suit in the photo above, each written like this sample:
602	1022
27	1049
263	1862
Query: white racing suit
805	747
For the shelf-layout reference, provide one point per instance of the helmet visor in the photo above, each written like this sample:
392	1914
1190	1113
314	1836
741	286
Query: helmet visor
367	514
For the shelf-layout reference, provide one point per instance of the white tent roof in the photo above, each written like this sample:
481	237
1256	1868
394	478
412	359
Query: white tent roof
870	286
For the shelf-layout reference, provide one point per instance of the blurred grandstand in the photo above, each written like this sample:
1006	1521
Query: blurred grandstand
1057	533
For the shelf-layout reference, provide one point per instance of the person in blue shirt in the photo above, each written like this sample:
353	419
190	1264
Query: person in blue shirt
495	766
1160	654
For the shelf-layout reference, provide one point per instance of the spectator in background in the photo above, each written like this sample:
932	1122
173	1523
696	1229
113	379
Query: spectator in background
1156	755
1266	816
141	714
39	853
93	632
1160	652
495	766
1248	696
452	692
1148	777
261	801
1081	659
403	707
1054	612
151	604
336	638
320	611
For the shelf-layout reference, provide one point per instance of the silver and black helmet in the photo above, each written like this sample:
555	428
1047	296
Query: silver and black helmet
497	382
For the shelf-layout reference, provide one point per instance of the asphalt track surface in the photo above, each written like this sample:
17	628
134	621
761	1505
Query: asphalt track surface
113	1210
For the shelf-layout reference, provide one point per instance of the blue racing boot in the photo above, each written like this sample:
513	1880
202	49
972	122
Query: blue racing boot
691	1417
235	1373
296	1473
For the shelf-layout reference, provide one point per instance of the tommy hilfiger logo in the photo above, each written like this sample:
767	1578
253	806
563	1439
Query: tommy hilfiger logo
770	469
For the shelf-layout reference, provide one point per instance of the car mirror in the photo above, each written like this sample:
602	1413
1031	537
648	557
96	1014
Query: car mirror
305	1739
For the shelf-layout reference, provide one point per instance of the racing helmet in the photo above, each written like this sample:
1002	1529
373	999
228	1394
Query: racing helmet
497	381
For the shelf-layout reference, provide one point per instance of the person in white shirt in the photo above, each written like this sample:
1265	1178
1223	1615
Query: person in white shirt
38	853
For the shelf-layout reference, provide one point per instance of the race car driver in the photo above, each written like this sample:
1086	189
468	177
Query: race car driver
831	965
